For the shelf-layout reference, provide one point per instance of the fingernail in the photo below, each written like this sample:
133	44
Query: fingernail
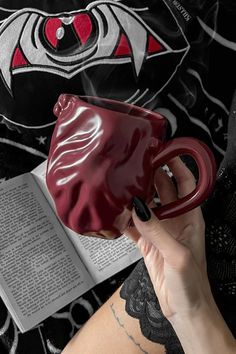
141	209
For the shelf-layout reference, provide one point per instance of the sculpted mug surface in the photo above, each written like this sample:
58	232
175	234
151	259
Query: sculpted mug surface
105	152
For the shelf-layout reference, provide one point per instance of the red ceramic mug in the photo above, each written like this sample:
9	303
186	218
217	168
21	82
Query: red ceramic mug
105	152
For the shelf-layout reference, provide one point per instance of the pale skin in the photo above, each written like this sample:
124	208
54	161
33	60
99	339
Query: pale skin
174	253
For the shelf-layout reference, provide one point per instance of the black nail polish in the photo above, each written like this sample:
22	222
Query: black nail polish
141	209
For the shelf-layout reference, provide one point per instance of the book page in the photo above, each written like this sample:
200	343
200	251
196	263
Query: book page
39	175
40	271
103	258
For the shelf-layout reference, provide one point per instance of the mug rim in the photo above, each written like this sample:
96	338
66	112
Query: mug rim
144	112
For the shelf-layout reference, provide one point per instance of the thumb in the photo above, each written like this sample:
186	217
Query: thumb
152	230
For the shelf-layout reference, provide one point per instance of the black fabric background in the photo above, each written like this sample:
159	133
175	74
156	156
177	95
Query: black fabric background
198	108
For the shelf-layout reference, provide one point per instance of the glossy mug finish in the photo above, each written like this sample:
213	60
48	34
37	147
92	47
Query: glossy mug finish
105	152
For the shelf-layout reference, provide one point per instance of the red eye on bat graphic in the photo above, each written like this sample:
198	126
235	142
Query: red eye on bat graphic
65	44
106	49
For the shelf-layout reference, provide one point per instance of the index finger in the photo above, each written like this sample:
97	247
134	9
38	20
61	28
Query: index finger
185	180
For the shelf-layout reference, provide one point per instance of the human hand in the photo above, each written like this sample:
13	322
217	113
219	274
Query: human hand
174	249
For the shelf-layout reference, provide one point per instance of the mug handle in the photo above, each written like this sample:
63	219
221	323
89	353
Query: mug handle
207	174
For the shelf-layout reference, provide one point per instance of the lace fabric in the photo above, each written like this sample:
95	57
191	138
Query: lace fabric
142	303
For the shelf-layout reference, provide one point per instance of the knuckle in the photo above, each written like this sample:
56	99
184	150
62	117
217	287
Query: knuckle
152	227
197	226
186	177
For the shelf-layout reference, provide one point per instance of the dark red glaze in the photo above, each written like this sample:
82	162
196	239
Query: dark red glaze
105	152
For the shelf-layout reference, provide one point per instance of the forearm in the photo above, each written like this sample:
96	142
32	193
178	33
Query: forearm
206	333
112	330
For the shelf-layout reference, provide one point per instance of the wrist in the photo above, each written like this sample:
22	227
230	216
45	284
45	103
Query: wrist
204	331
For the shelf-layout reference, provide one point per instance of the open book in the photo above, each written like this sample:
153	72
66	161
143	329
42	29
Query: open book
43	264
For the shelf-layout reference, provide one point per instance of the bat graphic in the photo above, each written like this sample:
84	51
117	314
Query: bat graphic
67	43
